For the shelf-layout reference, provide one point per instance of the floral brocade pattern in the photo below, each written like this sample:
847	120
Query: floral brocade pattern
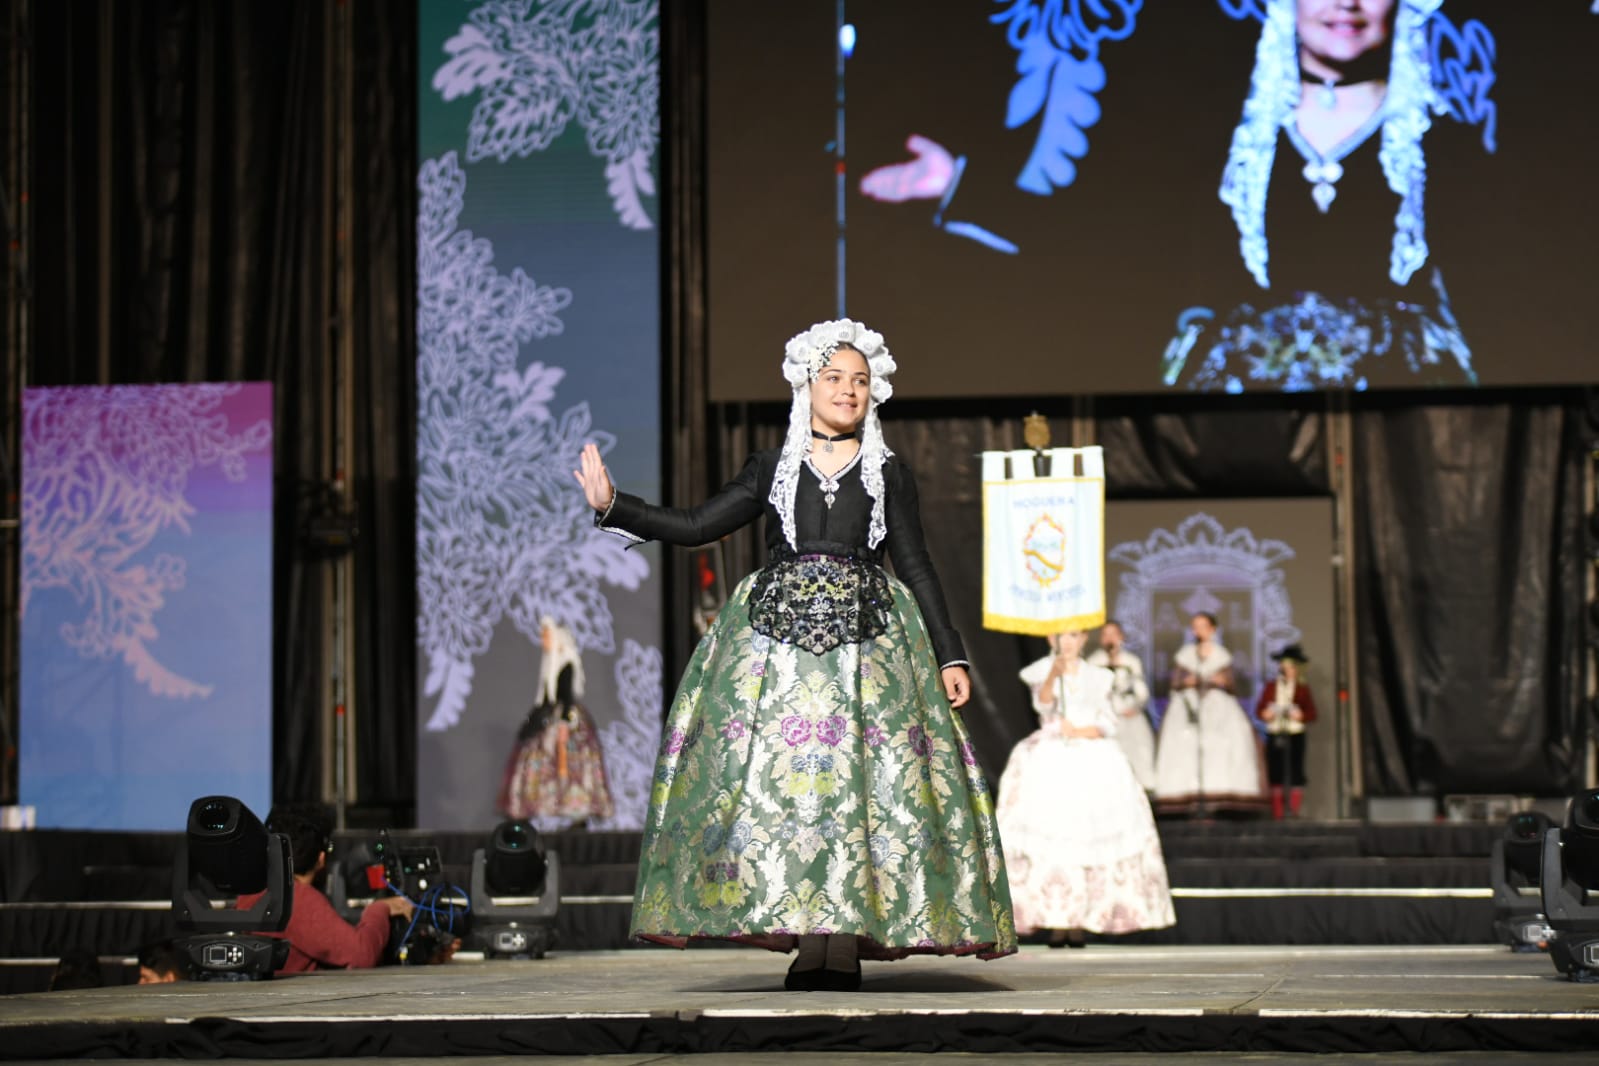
819	602
798	793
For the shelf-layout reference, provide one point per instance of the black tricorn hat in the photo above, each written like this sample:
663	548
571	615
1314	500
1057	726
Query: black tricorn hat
1293	652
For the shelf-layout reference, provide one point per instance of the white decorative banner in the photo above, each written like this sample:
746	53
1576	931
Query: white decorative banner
1044	541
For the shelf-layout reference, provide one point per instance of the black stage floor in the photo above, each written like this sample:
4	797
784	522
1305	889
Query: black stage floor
643	1003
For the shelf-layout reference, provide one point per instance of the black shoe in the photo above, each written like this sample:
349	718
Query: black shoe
1068	938
812	980
842	980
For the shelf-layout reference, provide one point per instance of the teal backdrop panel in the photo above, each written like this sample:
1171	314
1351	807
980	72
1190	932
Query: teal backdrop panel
538	330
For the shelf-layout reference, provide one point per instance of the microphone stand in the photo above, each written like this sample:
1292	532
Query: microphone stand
1197	705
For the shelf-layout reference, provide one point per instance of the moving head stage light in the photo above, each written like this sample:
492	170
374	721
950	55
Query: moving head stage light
515	894
1570	887
227	852
1514	873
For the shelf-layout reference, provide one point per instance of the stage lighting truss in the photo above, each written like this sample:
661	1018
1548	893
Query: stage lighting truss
226	852
1570	889
1514	873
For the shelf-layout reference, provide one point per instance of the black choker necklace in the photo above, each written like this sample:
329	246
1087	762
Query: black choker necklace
819	435
1357	74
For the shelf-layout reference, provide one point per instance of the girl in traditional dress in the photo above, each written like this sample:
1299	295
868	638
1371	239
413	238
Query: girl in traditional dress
1080	842
556	774
1286	707
814	788
1209	756
1130	697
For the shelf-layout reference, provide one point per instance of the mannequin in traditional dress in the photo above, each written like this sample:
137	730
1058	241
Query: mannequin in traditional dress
815	789
1209	756
556	774
1130	697
1287	707
1080	841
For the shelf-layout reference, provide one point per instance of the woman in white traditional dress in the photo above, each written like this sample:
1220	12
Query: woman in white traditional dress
1130	696
1079	839
1208	758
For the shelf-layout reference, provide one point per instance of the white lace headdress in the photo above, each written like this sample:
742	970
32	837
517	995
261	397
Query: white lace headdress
1274	91
560	652
803	358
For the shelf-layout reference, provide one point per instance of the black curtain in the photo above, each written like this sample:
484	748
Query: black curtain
184	232
1470	590
383	54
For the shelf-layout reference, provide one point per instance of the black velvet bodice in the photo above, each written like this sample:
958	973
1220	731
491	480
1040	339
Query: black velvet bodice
839	529
1344	252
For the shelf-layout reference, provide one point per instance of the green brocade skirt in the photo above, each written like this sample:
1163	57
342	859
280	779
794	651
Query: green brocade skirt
834	792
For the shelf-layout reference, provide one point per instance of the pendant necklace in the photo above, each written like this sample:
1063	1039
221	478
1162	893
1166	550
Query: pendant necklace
827	447
829	482
1323	171
1325	96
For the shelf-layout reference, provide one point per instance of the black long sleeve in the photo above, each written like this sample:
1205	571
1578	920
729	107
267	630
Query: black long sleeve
738	503
914	566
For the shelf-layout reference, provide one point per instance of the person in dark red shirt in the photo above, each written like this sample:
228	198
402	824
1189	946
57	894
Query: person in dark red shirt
1286	707
318	938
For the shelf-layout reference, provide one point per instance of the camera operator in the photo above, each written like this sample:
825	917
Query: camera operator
318	938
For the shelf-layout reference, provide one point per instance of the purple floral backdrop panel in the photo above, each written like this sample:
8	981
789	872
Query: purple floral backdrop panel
146	602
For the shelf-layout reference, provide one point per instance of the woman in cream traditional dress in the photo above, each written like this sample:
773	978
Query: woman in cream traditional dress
1208	758
1080	842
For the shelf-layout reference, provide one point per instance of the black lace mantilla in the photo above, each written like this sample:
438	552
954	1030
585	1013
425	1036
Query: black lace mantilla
817	602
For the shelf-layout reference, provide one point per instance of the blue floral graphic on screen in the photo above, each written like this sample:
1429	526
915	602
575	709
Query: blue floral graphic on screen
1463	72
539	65
1057	45
1244	9
500	531
107	471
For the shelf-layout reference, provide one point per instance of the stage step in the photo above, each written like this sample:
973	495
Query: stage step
1359	871
1238	882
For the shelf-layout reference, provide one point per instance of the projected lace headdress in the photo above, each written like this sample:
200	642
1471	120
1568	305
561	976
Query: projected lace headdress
1274	92
803	359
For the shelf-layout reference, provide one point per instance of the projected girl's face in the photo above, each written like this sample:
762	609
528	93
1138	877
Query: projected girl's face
1341	31
840	392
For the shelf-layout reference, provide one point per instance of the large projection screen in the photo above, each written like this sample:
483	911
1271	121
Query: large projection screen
1264	569
1028	197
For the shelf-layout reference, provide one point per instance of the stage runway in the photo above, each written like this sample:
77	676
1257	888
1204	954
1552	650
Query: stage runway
652	1002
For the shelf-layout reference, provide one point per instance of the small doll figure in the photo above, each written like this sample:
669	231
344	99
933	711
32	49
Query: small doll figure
556	772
